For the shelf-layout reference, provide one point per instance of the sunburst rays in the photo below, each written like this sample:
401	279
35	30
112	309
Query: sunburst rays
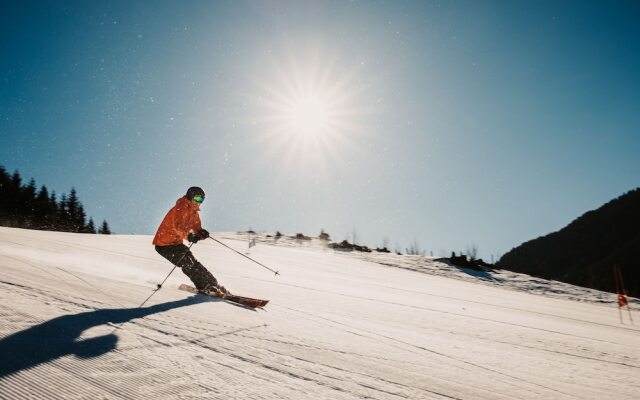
308	113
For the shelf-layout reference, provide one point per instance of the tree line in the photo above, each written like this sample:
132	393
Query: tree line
26	206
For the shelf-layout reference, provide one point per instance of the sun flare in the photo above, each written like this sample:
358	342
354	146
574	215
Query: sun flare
308	110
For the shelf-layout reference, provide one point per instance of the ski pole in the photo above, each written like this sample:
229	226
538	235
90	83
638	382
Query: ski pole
165	279
245	256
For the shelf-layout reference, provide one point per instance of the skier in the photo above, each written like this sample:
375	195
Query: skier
183	222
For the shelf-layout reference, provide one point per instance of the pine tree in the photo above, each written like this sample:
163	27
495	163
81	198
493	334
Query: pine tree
104	229
42	211
72	211
79	219
4	178
62	215
5	181
14	200
28	204
29	191
16	180
53	213
90	227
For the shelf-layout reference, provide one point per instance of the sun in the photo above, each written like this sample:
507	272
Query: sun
307	110
308	115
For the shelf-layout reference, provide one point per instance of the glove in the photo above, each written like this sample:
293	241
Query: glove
203	233
193	237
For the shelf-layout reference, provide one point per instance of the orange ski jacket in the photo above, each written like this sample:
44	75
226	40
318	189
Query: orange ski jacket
179	221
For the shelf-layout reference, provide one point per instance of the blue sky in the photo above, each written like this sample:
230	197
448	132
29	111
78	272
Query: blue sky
452	123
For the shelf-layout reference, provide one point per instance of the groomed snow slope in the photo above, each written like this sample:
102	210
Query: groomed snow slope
339	326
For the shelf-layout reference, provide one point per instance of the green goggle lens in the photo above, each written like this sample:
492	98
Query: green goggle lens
198	199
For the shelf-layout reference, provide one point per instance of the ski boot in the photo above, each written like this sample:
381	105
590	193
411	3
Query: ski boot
215	290
222	290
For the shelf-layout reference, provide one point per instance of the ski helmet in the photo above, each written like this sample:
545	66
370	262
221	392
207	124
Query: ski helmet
194	191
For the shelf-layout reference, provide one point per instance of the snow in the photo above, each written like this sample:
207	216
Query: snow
339	326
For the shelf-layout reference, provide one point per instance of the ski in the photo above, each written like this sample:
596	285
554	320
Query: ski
245	301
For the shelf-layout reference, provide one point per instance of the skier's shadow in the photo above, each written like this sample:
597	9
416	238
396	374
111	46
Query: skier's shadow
59	337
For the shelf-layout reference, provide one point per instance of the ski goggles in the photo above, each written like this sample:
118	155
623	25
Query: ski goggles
198	199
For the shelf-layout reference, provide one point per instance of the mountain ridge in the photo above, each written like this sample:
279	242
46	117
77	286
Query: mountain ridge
584	252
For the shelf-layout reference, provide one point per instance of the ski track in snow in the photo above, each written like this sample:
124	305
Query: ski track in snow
339	326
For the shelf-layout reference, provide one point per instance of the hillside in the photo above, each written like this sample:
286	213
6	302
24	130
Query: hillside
584	252
339	326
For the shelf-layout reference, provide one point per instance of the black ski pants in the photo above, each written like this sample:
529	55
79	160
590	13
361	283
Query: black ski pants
180	256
